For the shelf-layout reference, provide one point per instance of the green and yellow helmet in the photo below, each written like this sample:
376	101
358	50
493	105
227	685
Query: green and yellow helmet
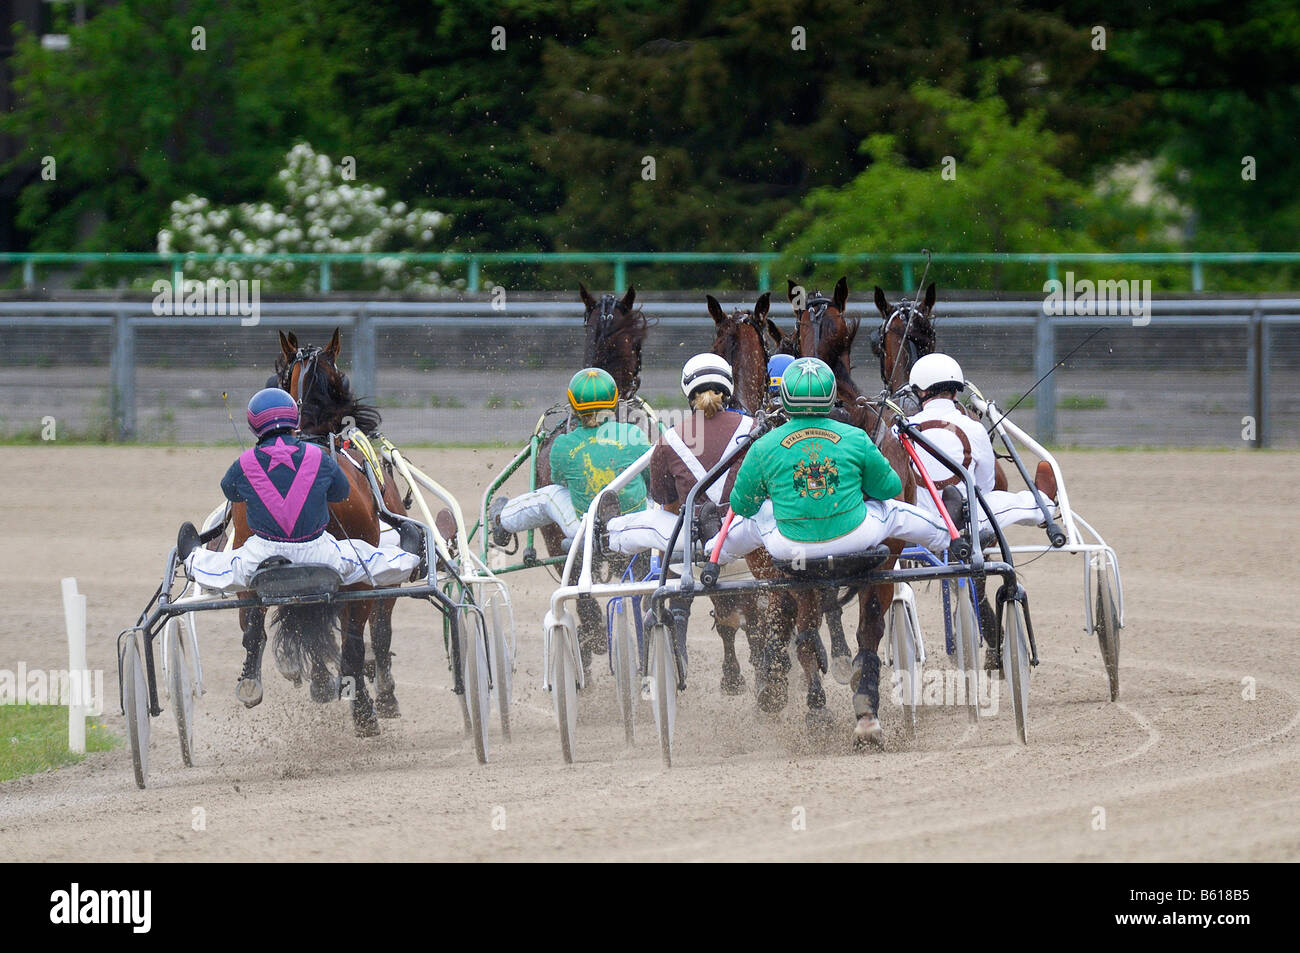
592	390
808	388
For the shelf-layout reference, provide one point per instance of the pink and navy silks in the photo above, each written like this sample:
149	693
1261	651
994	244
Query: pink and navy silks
287	486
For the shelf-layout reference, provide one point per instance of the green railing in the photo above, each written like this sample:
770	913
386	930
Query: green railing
762	262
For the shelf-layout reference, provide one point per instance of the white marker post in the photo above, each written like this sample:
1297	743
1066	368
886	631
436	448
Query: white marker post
74	614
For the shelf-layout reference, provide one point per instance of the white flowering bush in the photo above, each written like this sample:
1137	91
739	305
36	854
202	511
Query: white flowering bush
319	211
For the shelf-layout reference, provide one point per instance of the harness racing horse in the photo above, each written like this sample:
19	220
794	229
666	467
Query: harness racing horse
907	334
822	331
305	633
614	332
740	339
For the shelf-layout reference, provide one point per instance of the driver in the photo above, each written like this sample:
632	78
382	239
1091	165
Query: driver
286	486
937	379
583	463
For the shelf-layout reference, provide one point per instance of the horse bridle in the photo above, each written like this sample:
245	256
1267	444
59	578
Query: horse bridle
879	334
815	308
307	356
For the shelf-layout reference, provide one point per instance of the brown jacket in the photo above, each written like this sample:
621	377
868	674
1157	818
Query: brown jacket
671	479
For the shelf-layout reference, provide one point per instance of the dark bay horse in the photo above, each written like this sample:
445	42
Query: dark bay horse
615	330
305	634
822	331
740	339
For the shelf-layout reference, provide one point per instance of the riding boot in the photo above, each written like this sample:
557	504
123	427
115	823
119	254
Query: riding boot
249	689
733	682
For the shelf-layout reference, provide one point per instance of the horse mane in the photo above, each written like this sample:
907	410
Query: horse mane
330	404
615	346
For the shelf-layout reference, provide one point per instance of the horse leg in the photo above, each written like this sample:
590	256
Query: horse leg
381	642
991	631
352	669
591	633
726	619
771	674
865	678
841	657
249	689
812	655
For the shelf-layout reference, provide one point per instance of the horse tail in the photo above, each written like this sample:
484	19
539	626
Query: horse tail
306	637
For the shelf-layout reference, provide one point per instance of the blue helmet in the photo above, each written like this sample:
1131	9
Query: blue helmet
272	409
775	369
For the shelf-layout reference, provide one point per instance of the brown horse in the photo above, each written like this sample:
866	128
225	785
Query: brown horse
615	332
305	634
822	331
907	334
335	409
740	339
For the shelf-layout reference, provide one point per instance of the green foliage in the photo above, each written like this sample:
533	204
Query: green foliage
136	118
999	190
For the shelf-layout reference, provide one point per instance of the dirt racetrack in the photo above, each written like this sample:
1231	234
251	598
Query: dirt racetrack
1183	766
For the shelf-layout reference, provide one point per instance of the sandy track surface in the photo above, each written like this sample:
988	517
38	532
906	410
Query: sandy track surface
1183	766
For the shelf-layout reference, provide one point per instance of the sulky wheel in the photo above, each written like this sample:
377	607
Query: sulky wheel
135	706
181	688
477	693
564	687
663	687
1015	662
626	662
1106	625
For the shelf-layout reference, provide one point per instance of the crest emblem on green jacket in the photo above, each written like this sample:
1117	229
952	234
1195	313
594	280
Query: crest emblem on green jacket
817	476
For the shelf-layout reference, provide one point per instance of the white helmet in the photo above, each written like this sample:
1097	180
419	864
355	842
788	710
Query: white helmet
936	369
705	369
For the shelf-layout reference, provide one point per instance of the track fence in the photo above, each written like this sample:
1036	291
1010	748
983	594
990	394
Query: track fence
1208	373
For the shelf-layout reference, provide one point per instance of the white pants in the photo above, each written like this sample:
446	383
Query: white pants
885	519
354	560
1009	508
638	532
546	504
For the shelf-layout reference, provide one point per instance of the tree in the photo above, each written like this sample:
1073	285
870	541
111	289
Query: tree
142	109
999	191
316	209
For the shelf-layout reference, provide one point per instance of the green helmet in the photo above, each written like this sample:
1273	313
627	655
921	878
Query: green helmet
808	388
591	390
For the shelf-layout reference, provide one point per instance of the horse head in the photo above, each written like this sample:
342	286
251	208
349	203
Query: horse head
905	335
821	329
311	375
740	341
614	335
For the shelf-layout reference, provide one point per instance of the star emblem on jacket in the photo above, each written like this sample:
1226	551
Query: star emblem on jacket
816	476
280	454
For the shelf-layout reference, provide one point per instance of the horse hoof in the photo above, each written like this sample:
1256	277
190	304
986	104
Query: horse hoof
868	732
323	689
364	721
733	684
292	675
249	691
772	697
842	668
386	705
